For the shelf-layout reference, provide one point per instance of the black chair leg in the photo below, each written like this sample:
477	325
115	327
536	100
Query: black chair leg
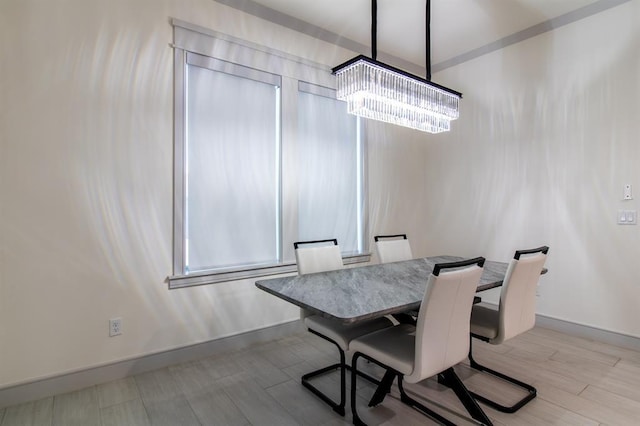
531	391
338	407
384	385
468	402
451	379
383	388
354	370
406	399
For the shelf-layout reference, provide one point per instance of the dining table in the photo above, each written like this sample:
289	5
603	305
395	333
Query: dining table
361	293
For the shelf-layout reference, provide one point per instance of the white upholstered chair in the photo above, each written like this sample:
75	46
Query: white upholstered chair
516	314
396	248
320	256
393	248
438	341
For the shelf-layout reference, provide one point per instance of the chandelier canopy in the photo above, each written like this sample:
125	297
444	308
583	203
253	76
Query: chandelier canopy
381	92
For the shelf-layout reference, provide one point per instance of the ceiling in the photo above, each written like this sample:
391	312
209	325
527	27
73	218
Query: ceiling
457	26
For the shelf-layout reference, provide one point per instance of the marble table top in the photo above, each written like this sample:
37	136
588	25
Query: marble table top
355	294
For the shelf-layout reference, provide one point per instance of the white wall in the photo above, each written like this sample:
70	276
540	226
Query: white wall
86	177
86	122
549	134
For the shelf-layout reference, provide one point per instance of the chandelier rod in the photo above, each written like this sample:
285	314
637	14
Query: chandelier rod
374	34
374	29
428	39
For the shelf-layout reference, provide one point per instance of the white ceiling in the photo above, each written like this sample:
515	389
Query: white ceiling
457	26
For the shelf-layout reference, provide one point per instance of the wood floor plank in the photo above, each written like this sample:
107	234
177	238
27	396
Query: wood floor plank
117	392
343	421
619	403
574	347
541	411
257	405
130	413
220	366
264	372
36	413
630	367
320	344
191	377
311	363
282	356
171	412
301	404
306	350
494	388
328	383
331	378
579	369
79	408
531	351
578	355
593	345
594	410
215	407
621	385
158	385
532	372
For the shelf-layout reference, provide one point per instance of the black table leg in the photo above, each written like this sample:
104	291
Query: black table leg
383	388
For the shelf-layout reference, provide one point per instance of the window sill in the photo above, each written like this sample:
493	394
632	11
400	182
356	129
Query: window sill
213	277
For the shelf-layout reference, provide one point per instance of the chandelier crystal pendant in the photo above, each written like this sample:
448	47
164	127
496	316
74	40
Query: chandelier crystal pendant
381	92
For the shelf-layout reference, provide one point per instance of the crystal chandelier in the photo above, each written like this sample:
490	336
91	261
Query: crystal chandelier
381	92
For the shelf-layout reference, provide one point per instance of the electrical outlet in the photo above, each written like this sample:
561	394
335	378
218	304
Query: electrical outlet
115	327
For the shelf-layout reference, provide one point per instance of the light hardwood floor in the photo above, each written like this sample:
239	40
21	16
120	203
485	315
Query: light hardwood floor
580	382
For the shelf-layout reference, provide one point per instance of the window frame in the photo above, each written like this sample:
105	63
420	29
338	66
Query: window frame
188	39
305	87
214	65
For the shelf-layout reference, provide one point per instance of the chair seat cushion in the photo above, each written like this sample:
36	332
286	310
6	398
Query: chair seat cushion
341	333
393	347
485	321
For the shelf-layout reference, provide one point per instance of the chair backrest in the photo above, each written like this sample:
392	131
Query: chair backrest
317	256
443	326
518	293
393	248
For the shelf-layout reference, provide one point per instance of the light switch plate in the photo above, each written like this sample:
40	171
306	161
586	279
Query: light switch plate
627	217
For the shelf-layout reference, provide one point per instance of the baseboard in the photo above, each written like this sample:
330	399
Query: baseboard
588	332
93	376
584	331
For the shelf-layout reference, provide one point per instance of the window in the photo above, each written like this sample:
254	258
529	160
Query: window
329	155
232	170
263	158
